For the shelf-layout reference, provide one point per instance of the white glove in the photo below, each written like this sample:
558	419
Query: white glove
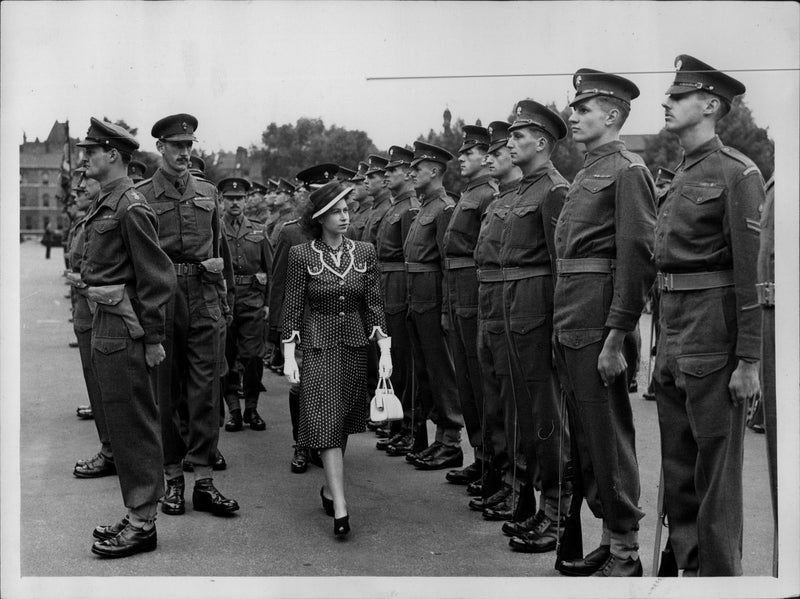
385	362
290	368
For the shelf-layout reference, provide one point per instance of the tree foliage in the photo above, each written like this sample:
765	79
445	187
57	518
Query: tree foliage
289	148
737	130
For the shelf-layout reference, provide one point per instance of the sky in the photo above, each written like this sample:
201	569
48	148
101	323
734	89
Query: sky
237	66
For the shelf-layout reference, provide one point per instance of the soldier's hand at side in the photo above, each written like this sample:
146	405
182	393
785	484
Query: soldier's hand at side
611	362
445	323
744	384
154	354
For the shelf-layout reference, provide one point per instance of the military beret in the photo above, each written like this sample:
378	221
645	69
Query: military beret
233	187
589	83
693	75
324	198
136	170
318	174
664	175
109	135
532	114
363	167
283	186
377	164
198	163
498	134
474	136
426	151
345	174
399	156
258	187
176	127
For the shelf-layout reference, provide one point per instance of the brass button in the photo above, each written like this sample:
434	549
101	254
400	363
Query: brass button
341	282
341	313
341	297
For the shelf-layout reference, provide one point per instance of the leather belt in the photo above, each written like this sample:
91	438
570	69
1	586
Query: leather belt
422	267
455	263
183	269
694	281
514	273
584	265
243	279
766	294
392	266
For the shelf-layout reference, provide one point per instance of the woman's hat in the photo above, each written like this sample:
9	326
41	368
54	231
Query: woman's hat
324	198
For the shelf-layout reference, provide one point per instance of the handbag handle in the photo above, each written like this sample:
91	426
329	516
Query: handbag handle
385	383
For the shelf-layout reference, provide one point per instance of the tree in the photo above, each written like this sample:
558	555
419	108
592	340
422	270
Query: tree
737	130
288	149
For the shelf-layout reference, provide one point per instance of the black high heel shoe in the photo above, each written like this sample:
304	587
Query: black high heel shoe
327	504
341	526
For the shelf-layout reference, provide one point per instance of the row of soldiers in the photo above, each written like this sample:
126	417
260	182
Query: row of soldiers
509	309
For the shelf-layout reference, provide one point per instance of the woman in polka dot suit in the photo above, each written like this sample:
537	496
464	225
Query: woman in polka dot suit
339	280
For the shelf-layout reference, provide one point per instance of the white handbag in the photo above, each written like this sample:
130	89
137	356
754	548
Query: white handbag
385	405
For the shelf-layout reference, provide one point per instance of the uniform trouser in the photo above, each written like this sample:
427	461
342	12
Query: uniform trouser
769	399
82	319
193	345
130	410
702	432
502	440
602	421
545	438
433	368
244	343
402	370
463	341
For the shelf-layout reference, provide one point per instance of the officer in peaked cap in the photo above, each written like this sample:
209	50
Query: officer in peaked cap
362	203
191	234
317	175
251	255
603	240
256	203
527	274
460	309
136	170
707	362
127	336
283	207
433	364
389	240
381	198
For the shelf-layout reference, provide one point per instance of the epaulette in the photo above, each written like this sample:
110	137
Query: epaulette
633	164
739	157
557	179
143	182
632	157
291	222
448	206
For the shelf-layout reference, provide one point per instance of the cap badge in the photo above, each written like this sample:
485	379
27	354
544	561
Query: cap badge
519	110
678	64
578	79
465	135
235	184
325	174
490	130
184	126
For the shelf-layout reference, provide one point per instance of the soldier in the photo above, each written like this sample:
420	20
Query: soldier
528	271
131	280
460	302
362	203
603	242
255	207
707	362
136	170
433	366
283	209
189	231
500	429
391	234
766	297
381	198
197	167
251	255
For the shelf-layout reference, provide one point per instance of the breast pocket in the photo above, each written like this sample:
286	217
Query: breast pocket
595	201
203	213
705	203
520	225
104	247
168	225
466	222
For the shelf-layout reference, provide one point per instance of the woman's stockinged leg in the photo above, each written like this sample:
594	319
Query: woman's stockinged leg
333	462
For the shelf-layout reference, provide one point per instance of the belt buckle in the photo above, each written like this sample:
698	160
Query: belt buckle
665	281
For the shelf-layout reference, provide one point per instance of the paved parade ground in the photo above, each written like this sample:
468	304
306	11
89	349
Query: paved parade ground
405	522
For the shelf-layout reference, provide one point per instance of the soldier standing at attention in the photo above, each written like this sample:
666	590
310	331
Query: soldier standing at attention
190	232
500	430
392	232
381	197
283	209
604	241
707	363
131	280
433	366
362	201
251	255
529	269
460	302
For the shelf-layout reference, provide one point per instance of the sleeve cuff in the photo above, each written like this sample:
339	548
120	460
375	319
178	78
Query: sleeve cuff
293	338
